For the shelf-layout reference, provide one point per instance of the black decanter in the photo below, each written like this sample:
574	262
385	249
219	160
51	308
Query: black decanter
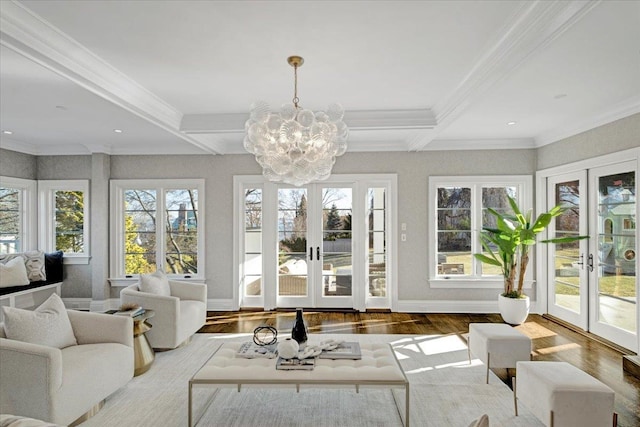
299	330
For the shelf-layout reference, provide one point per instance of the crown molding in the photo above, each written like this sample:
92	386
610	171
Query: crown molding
355	120
530	29
31	36
487	144
20	147
627	108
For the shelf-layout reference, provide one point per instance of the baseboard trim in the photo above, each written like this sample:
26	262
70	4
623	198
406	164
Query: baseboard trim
221	305
114	303
451	306
405	306
77	303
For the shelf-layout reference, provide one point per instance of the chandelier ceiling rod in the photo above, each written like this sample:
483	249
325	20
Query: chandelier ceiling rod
295	62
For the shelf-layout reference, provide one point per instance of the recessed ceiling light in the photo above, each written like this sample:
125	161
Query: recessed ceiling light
117	130
511	123
7	132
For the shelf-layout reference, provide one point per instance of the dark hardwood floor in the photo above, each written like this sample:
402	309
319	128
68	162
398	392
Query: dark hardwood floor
551	341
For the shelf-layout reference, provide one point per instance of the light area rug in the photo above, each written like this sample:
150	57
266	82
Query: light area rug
446	390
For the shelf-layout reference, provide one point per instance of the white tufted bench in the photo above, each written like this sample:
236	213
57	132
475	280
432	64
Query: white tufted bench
378	367
498	345
563	395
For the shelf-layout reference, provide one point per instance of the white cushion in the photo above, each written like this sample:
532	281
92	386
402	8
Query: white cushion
156	283
505	344
33	261
483	421
13	273
575	397
7	420
47	325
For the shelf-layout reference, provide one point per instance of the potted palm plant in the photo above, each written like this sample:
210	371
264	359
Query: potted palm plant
507	247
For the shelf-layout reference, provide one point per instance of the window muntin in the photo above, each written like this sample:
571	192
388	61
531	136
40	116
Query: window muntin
159	226
459	211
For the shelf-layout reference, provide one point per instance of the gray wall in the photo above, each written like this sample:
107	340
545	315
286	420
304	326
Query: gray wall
610	138
18	165
413	170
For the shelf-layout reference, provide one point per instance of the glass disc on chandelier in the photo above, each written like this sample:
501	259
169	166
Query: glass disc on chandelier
295	146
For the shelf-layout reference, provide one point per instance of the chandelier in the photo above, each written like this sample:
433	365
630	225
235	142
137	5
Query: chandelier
295	146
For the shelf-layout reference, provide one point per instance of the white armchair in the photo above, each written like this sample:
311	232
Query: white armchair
177	317
62	385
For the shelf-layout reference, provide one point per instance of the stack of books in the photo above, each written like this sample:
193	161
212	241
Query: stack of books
249	350
346	350
296	364
131	313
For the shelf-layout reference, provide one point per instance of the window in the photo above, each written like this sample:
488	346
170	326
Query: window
459	210
157	224
64	218
18	213
376	239
252	265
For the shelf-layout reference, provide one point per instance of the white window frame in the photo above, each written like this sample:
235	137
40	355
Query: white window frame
47	217
524	185
118	187
28	235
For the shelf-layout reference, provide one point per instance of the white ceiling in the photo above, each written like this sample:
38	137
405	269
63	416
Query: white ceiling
179	76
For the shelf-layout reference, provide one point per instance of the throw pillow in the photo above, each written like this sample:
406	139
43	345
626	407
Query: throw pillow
33	260
13	273
8	420
53	266
483	421
156	283
35	266
46	325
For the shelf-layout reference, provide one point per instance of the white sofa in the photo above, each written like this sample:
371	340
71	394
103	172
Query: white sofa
61	385
176	317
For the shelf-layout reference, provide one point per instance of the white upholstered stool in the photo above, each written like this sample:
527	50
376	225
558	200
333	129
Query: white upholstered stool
560	394
498	345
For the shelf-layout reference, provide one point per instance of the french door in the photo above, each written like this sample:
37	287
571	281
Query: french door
323	245
593	283
315	246
569	262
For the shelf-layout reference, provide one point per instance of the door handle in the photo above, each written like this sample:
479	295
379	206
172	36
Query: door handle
318	253
310	254
590	264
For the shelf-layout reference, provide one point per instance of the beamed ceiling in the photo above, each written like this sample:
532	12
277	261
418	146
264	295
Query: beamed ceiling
178	77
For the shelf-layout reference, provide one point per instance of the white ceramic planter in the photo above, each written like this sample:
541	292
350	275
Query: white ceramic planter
514	310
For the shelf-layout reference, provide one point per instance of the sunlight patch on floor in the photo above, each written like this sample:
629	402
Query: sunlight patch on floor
534	330
557	348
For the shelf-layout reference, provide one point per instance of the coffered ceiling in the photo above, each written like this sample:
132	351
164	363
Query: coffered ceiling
179	76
